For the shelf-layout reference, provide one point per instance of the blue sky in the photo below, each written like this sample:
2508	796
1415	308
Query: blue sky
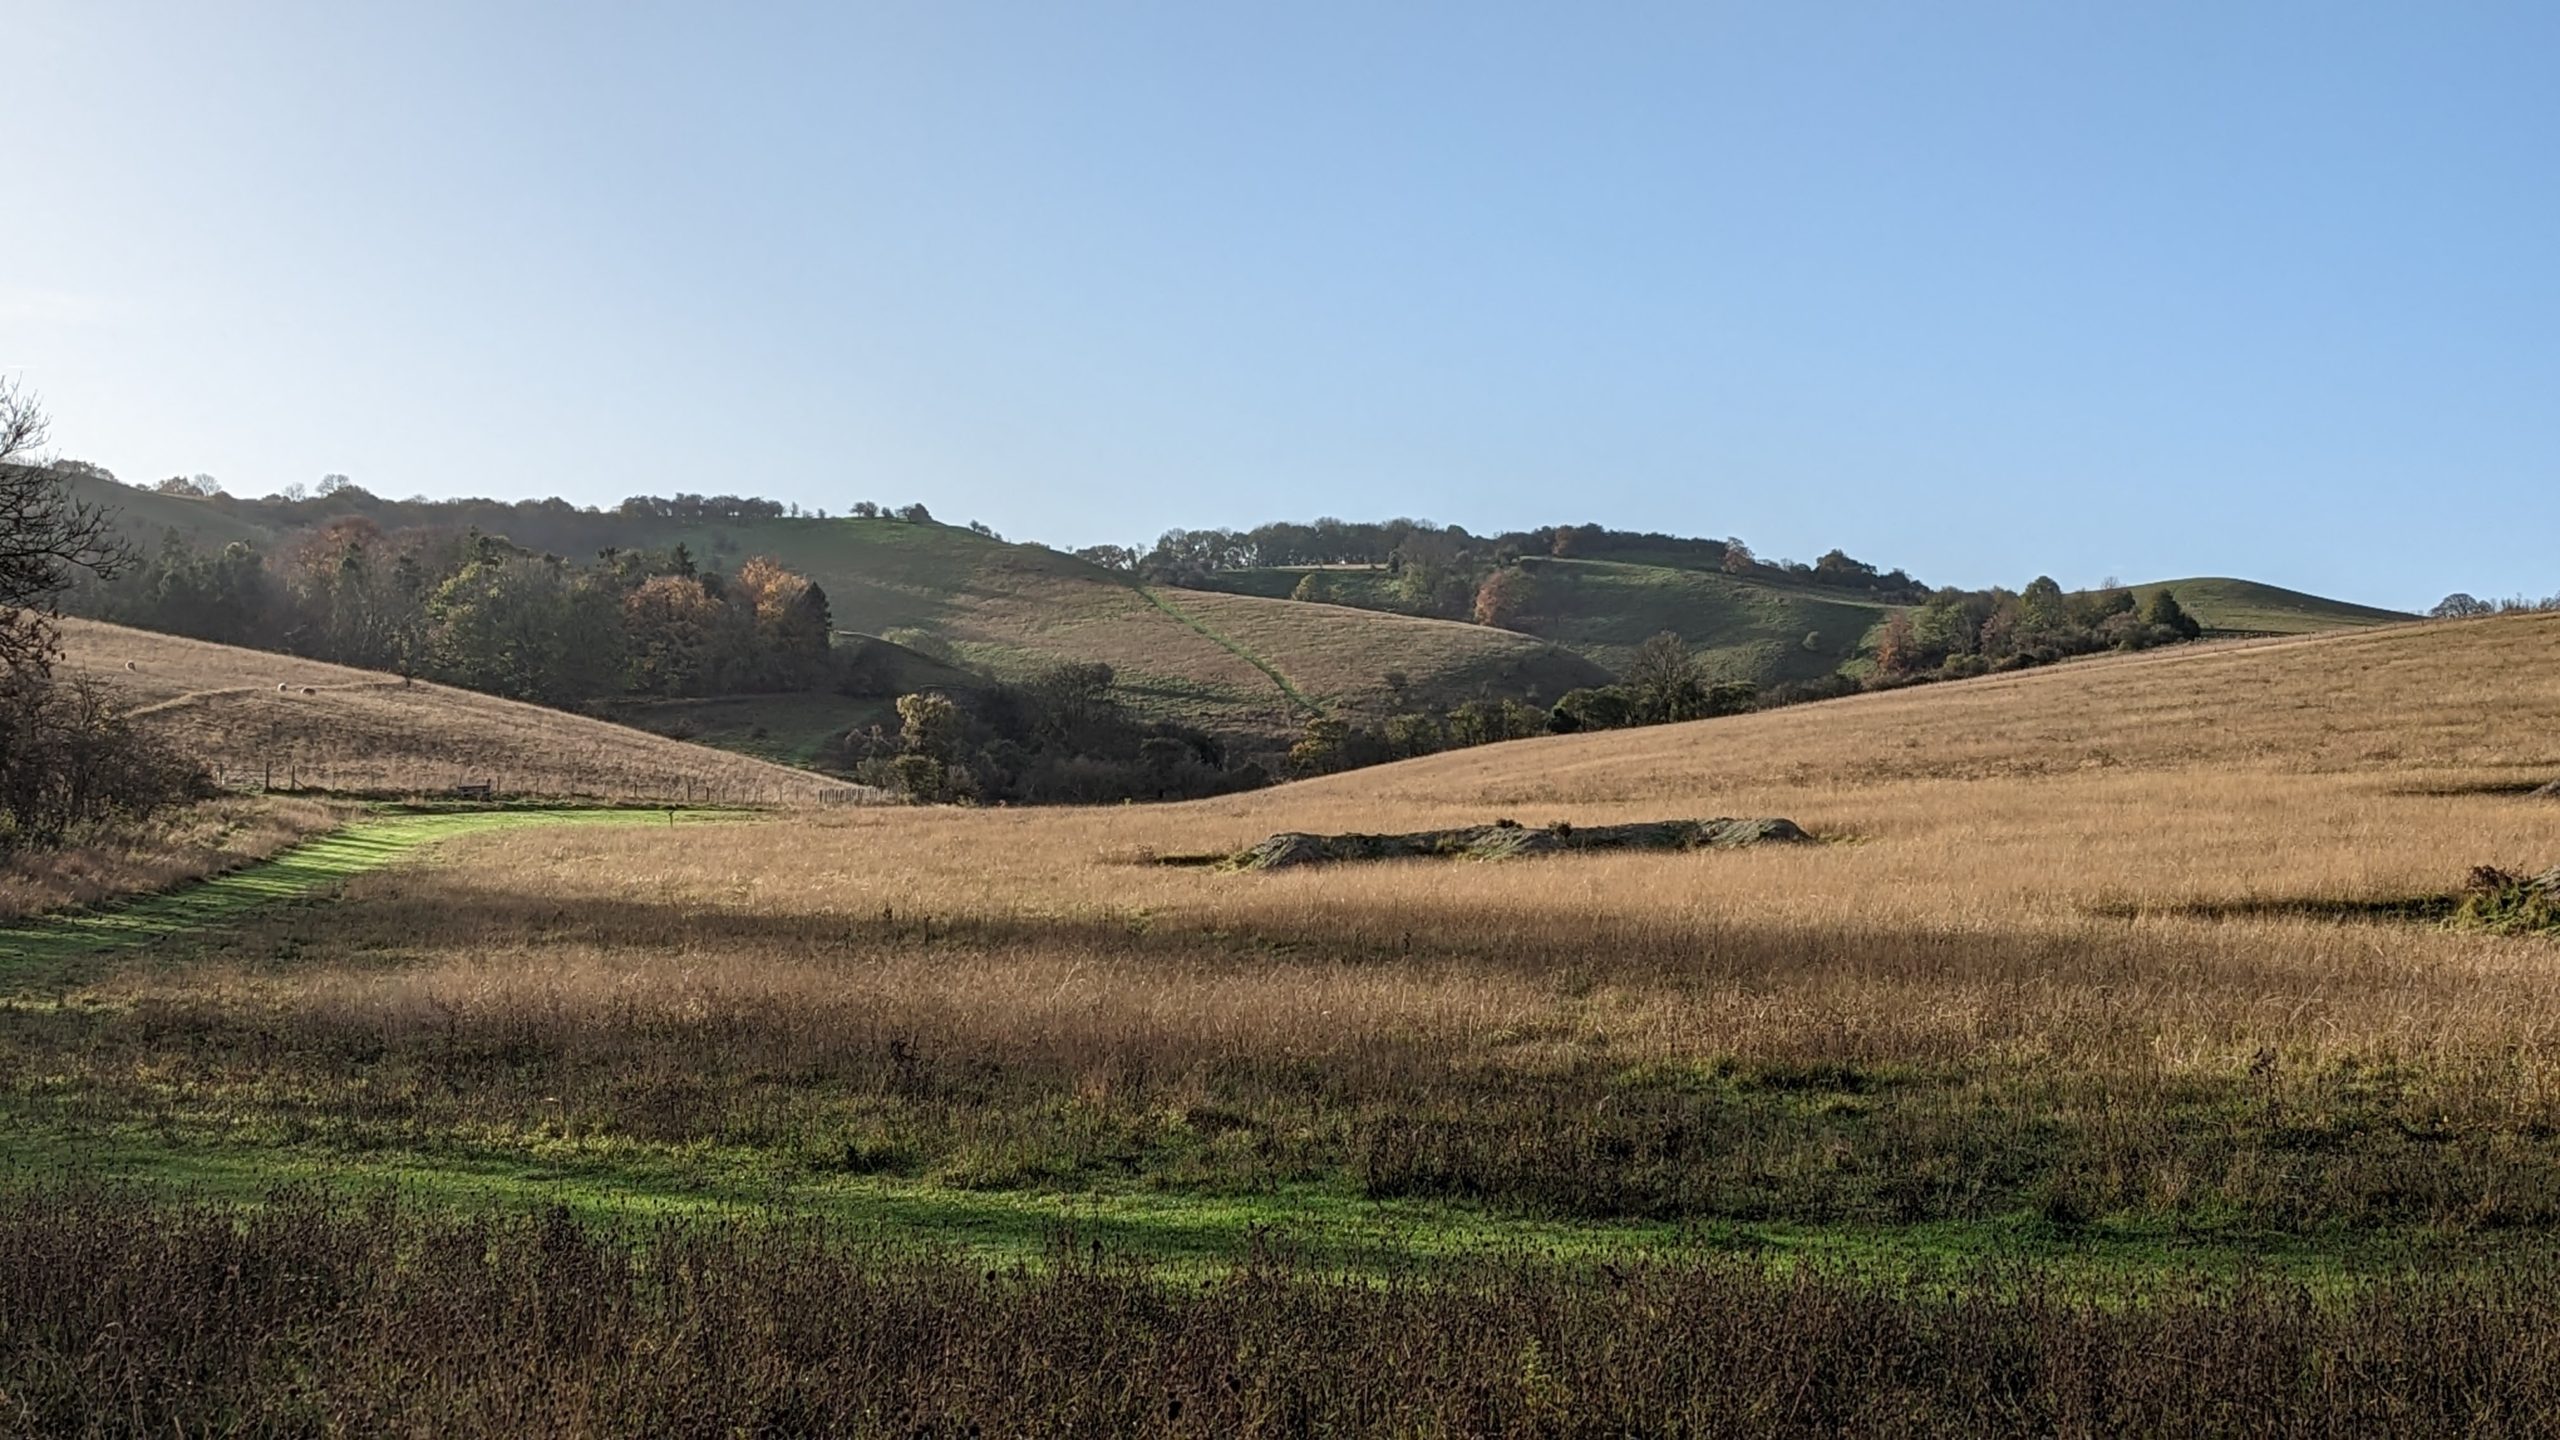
1980	290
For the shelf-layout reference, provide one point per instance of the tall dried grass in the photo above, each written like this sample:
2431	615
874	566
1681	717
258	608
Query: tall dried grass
136	857
2122	978
261	719
2093	942
130	1317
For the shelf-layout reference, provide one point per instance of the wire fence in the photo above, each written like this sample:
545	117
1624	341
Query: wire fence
371	779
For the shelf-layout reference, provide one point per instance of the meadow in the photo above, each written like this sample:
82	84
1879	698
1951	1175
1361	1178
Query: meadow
2082	1083
265	721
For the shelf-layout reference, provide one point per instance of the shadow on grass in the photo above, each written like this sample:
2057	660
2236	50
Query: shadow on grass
2411	910
305	870
2471	789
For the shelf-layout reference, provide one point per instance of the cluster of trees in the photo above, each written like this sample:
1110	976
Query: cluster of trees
1836	569
551	523
1664	683
68	759
703	507
2459	606
1063	738
1331	743
480	612
1442	569
1957	633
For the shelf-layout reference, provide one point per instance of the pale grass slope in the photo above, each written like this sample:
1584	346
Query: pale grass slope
2039	879
2458	702
2073	894
257	717
1241	665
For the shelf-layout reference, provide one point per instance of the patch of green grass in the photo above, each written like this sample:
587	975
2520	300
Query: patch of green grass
2220	603
1741	630
1331	1226
305	870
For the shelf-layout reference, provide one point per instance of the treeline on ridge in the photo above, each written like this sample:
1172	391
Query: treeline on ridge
430	588
1446	571
480	612
486	614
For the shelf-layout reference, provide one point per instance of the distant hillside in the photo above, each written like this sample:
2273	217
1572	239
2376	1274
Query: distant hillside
1249	668
144	516
1245	650
259	717
2225	604
1601	610
795	729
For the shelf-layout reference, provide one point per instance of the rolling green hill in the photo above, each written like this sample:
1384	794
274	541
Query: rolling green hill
1239	656
1241	666
1602	609
143	516
1238	664
2225	604
1744	631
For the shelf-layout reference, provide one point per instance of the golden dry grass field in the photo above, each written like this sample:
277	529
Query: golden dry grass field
265	719
2098	977
2101	902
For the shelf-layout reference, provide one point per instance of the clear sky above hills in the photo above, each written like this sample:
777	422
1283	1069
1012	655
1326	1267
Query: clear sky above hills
1979	290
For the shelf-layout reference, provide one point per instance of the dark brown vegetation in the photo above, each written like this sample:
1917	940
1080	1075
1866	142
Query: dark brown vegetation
131	1316
1509	839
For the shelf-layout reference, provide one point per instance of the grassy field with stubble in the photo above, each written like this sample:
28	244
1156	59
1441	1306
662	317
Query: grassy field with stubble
2086	1080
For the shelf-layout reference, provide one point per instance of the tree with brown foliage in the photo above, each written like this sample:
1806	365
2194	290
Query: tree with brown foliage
1505	596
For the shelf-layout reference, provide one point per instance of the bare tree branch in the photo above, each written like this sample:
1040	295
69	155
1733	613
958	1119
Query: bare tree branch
45	536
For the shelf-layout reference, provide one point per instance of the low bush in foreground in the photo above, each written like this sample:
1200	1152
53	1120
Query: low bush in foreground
124	1313
2507	903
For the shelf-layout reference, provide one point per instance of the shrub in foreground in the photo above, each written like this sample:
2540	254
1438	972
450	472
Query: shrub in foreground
124	1313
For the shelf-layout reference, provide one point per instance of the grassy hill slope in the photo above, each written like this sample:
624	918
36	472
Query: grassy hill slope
796	729
144	516
1251	667
1742	630
2475	704
1344	654
1600	610
2220	603
1228	662
1239	656
334	728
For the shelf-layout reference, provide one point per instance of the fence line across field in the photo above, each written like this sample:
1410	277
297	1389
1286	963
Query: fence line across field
295	775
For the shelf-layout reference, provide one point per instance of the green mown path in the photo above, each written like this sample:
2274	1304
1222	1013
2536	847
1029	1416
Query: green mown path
306	869
1329	1225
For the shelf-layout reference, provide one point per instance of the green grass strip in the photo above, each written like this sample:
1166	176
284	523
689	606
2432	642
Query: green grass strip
308	869
1193	1232
1231	647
